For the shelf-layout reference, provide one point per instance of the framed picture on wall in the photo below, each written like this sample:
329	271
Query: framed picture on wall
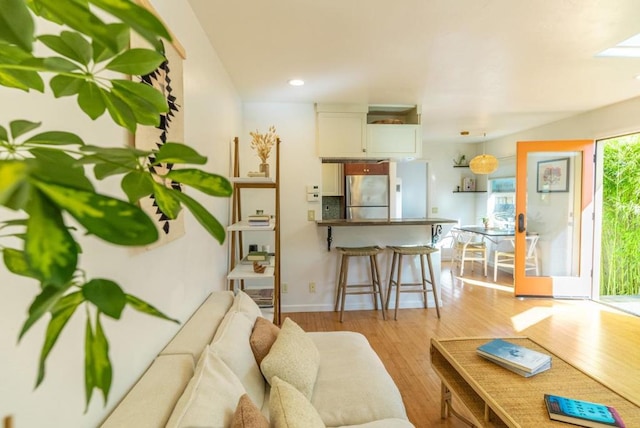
553	175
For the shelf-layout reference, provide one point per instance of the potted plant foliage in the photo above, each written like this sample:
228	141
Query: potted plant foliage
49	179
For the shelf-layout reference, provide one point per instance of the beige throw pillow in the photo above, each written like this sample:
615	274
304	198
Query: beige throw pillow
293	357
263	336
247	415
288	408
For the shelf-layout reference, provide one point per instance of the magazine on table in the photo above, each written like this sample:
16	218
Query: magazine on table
515	356
582	413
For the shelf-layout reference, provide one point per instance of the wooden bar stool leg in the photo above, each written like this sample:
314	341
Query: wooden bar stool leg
423	280
378	284
372	263
344	284
390	285
398	285
340	283
433	285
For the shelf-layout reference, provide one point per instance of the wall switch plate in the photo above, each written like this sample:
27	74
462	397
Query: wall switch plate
312	287
285	287
434	210
311	215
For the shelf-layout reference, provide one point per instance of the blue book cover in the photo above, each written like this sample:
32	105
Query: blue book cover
583	413
518	356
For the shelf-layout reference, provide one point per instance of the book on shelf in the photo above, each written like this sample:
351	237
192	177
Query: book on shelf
511	356
582	413
257	256
265	262
258	220
262	296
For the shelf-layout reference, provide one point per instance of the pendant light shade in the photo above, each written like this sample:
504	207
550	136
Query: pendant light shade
483	164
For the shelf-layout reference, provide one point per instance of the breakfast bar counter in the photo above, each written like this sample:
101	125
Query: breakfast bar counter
433	222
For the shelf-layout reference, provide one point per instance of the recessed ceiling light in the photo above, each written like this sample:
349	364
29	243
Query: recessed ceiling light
296	82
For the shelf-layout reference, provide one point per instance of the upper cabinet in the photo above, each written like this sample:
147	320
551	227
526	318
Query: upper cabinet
360	131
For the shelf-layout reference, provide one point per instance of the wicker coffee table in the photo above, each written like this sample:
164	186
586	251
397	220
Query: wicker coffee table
496	397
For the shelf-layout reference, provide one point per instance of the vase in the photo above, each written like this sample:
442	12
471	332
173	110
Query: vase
264	167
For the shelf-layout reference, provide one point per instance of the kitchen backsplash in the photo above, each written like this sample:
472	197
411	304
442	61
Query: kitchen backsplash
331	207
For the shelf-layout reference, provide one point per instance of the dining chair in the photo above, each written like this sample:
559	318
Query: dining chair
507	258
469	247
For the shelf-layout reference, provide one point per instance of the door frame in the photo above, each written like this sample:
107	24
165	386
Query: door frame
556	286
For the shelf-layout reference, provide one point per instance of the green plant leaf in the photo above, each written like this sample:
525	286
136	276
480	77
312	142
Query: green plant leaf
106	295
98	370
20	127
211	184
59	65
137	185
42	304
209	222
144	307
120	112
114	154
55	166
16	262
146	102
77	15
12	175
50	248
12	56
91	100
108	218
55	138
104	170
16	24
60	315
4	136
64	86
136	61
139	18
71	45
178	153
120	34
166	200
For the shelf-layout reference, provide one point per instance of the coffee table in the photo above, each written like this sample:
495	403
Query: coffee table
497	397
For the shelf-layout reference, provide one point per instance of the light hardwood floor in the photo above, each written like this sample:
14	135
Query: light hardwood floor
597	339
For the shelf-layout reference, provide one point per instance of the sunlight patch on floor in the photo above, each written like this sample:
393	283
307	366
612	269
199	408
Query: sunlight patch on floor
531	316
485	284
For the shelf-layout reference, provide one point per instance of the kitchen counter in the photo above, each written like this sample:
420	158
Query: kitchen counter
434	222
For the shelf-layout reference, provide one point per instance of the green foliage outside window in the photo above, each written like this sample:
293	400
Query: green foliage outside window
45	185
620	258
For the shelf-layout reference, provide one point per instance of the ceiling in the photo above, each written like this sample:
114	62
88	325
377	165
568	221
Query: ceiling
490	67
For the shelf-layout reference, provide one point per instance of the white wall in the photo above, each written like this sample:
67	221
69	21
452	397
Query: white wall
176	278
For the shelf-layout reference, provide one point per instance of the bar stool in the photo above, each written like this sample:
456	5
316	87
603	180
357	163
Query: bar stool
396	266
375	289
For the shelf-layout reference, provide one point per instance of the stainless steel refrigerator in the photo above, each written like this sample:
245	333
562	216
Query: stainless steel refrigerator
367	196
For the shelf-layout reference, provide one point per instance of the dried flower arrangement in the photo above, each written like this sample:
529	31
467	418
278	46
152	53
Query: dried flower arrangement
263	143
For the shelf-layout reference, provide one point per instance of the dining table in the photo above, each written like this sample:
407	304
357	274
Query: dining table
491	233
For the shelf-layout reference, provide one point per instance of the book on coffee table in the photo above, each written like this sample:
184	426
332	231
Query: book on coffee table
582	413
516	358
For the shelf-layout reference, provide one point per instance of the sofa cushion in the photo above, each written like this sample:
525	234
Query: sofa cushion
262	337
245	304
289	408
247	415
352	387
150	401
198	331
211	396
293	358
231	344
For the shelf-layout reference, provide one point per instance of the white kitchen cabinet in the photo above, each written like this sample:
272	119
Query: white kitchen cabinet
341	134
332	179
394	141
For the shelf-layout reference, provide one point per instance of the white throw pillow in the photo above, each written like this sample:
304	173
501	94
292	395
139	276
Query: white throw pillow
231	344
288	408
211	396
245	304
293	357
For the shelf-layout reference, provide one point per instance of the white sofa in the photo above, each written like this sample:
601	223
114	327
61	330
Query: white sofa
198	378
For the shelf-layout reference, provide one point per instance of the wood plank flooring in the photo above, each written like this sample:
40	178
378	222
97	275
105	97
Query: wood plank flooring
601	341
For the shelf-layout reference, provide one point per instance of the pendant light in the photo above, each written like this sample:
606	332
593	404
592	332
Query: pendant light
483	164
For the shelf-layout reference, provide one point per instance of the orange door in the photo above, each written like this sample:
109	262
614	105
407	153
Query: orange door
554	201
